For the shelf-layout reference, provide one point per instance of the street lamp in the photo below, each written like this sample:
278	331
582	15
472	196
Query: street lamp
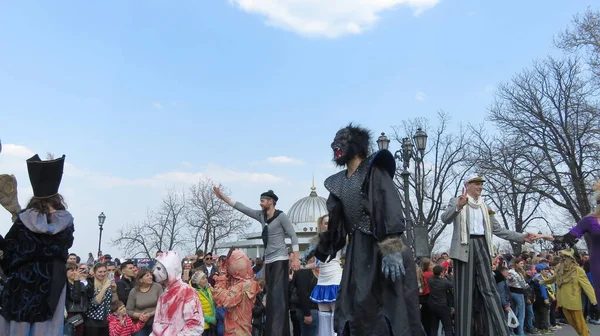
541	242
101	219
417	235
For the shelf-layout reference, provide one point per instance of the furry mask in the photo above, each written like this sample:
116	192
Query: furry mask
349	142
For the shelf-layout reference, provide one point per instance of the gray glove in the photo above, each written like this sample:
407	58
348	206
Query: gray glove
392	266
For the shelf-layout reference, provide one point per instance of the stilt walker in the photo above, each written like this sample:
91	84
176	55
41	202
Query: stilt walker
378	292
474	225
276	226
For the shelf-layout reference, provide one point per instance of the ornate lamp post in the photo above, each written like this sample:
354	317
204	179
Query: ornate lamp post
417	235
101	219
541	242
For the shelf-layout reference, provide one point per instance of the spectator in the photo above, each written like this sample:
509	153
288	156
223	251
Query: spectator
72	258
142	300
100	293
209	268
77	300
126	283
119	324
304	281
439	299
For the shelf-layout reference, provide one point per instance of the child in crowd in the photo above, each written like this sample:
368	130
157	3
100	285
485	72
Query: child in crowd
119	323
500	275
541	305
200	283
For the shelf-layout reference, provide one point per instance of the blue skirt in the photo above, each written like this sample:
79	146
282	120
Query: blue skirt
325	294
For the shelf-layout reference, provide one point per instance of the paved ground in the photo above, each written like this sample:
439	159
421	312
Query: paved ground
568	331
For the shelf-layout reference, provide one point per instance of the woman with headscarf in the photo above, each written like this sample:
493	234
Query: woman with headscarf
35	249
236	290
570	281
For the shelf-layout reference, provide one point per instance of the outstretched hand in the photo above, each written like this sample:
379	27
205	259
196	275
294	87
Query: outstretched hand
392	266
218	193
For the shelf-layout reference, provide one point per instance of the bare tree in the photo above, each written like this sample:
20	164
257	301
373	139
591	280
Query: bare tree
549	114
210	219
584	35
501	161
438	174
163	229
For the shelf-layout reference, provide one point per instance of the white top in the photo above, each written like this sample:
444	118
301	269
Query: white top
476	221
330	273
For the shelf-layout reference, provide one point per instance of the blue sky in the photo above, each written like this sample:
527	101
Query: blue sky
144	95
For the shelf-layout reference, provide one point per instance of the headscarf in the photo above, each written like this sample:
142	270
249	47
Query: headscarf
567	269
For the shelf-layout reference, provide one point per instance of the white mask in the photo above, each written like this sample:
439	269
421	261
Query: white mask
160	272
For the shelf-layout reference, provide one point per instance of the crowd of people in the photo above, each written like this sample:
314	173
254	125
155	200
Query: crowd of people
530	286
357	277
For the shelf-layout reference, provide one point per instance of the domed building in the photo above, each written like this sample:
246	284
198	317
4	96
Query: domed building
303	215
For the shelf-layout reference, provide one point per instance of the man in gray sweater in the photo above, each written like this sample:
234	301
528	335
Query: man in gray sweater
276	226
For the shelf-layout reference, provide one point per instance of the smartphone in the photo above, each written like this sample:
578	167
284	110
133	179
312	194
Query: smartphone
186	273
111	276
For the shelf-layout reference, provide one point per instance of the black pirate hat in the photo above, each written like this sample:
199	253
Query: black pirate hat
45	176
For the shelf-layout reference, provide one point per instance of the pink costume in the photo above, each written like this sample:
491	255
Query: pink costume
237	291
178	312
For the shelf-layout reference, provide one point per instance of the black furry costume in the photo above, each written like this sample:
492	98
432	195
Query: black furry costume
364	210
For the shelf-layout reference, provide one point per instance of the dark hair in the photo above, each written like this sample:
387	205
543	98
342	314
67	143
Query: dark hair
143	271
438	270
42	205
502	269
71	266
116	305
125	264
199	253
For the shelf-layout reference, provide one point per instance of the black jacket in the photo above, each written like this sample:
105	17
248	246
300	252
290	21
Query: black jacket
124	287
399	302
440	292
382	203
76	299
305	281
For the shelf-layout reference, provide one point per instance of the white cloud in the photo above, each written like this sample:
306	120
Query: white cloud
421	96
285	160
157	105
17	151
328	18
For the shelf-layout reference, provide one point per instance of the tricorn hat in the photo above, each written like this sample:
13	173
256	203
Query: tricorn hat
45	176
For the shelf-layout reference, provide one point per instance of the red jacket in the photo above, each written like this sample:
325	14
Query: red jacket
115	328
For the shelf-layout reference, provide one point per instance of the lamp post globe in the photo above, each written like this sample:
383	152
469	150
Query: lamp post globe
420	139
383	142
101	219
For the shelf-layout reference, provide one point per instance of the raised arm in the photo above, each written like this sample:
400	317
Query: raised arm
255	214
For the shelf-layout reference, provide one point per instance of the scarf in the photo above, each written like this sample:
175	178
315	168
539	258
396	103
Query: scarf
464	214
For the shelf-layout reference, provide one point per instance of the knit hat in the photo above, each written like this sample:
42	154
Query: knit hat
269	195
